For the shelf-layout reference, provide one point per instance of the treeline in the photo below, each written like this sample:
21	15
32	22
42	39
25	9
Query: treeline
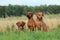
17	10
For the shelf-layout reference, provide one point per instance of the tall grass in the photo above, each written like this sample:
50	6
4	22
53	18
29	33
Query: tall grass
8	29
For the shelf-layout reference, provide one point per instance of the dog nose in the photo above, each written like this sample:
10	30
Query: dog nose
40	17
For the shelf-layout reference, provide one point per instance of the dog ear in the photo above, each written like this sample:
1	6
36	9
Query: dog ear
27	14
42	14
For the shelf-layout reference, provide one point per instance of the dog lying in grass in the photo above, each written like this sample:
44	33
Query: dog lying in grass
20	25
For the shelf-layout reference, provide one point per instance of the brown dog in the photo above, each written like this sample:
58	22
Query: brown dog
39	22
31	23
20	25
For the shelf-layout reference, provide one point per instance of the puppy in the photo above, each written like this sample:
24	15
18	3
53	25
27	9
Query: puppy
31	23
20	25
39	22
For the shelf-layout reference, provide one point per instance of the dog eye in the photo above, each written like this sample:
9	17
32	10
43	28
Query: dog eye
39	15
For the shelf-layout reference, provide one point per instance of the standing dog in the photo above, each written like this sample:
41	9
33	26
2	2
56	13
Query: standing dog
39	22
31	23
20	25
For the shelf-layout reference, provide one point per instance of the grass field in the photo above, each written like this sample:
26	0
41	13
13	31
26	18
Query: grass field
8	26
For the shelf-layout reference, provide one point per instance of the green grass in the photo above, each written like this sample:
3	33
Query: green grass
39	35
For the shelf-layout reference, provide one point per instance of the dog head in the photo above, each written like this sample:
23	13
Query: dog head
29	15
40	15
20	24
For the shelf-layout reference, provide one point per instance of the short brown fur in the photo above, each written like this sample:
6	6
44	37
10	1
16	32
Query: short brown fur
40	23
31	23
20	25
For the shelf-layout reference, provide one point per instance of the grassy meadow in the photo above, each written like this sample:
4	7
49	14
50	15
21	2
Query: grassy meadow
8	29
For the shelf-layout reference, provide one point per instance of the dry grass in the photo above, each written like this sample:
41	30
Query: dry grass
50	21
